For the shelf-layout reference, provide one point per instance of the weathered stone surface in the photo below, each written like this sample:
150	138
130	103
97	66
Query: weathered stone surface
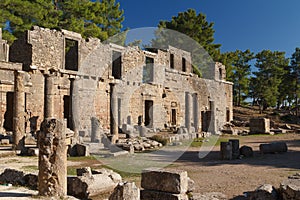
235	148
246	151
19	114
81	150
290	188
259	125
31	181
157	195
33	152
226	150
274	147
52	159
86	171
5	141
12	176
264	192
84	186
125	191
172	181
191	185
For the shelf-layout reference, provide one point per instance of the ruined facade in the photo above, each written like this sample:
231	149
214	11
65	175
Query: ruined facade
49	73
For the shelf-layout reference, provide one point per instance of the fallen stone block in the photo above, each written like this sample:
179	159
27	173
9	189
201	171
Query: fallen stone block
12	176
33	152
30	180
84	186
264	192
274	147
290	188
125	191
246	151
157	195
172	181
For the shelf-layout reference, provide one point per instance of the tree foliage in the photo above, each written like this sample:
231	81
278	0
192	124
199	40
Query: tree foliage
271	70
90	18
195	26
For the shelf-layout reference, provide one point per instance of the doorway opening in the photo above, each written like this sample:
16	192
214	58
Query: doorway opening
148	113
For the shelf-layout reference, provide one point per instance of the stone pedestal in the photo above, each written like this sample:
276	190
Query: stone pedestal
52	178
19	111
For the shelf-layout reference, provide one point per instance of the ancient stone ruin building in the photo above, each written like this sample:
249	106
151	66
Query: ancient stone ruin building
50	73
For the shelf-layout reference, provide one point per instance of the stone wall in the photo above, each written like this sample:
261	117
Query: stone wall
170	98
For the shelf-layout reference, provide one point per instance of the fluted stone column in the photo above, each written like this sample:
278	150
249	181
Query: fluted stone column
19	111
113	114
52	177
49	96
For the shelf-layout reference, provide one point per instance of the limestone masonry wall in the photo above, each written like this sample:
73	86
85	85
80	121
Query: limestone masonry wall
75	79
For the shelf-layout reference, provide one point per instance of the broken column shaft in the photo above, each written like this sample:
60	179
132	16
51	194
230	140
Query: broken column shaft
49	96
52	178
19	111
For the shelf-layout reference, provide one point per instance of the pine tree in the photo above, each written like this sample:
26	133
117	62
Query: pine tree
100	19
195	26
269	76
295	76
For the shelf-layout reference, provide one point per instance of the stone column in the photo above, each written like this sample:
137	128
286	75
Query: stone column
75	116
187	111
213	123
19	111
196	111
49	96
52	177
113	114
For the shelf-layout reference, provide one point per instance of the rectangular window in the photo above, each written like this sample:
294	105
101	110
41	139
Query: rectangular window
183	65
148	70
172	61
117	65
71	54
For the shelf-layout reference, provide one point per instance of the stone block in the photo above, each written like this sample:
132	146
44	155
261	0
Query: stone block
157	195
290	188
172	181
12	176
33	152
125	191
5	141
84	186
82	150
259	125
264	192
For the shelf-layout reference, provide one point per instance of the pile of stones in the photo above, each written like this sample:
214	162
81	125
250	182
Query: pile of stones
138	144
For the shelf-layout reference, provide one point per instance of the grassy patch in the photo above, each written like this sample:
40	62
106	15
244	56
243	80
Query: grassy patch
30	168
81	158
124	174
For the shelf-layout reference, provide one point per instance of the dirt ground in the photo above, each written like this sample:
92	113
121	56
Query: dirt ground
210	173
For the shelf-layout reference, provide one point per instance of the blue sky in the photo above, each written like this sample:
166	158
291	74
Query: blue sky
253	24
